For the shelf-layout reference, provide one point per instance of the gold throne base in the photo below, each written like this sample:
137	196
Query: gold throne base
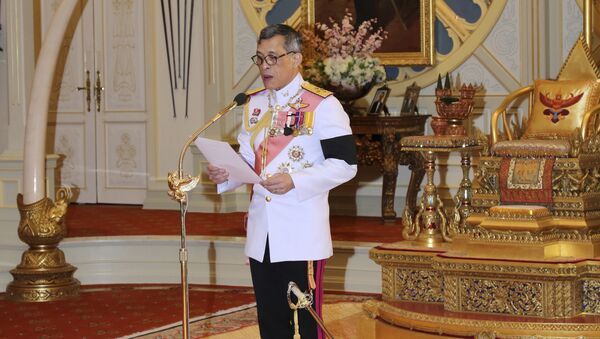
490	287
526	232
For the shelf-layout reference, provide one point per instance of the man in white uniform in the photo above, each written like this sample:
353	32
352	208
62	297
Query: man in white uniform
298	139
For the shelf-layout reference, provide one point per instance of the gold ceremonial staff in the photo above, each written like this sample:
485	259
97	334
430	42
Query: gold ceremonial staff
178	188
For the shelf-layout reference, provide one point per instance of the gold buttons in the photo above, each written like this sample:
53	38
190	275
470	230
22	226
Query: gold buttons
268	198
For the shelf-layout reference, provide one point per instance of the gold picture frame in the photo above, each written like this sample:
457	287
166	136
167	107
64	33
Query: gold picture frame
401	48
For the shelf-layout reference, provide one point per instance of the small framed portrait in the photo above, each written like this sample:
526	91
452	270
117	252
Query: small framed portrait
409	105
377	106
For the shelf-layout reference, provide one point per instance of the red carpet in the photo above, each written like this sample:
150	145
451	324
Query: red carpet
111	311
115	220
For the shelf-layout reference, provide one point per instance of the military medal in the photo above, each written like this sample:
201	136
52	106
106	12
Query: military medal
290	121
255	114
285	167
298	105
296	153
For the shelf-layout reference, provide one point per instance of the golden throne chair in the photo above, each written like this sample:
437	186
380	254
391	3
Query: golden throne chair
544	178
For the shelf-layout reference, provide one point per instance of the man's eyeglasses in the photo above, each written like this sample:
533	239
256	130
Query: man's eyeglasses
269	59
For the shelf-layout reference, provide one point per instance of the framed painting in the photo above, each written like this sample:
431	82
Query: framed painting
409	24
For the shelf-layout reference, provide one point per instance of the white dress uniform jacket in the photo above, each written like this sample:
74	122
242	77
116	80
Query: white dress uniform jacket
296	223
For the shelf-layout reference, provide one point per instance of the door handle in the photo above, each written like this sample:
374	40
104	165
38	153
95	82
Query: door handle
87	89
98	91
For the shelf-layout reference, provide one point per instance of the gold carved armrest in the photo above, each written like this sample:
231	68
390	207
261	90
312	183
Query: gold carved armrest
501	110
590	116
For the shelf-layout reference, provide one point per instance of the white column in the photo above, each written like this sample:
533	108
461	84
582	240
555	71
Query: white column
37	117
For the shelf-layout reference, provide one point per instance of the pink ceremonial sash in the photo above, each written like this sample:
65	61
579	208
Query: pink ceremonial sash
277	143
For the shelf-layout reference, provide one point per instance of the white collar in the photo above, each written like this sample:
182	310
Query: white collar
283	95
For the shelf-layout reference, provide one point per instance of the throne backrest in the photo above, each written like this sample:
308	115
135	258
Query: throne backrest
559	107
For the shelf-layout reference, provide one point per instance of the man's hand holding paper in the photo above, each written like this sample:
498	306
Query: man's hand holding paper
226	164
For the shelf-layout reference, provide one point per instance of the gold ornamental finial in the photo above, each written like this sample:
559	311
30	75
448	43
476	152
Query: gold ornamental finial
178	187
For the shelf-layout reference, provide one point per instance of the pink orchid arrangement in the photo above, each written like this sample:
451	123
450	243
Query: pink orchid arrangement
342	55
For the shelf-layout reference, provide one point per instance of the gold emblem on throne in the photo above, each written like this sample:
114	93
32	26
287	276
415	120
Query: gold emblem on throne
556	110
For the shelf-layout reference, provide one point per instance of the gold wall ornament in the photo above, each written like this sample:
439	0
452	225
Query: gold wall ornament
256	12
43	274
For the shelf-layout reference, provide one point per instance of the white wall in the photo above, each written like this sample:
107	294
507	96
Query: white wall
16	72
3	81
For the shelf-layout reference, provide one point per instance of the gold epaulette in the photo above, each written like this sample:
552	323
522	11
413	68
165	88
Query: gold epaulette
254	91
323	93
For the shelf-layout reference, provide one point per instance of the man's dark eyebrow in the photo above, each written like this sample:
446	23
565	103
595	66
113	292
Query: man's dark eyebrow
269	52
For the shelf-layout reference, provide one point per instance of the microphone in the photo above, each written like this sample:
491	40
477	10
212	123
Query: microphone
239	100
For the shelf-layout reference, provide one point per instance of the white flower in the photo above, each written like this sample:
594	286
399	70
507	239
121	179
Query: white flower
347	71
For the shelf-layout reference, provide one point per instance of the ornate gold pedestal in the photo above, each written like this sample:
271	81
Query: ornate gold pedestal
447	292
43	274
430	225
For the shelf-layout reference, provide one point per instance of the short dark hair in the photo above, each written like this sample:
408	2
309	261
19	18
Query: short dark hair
293	39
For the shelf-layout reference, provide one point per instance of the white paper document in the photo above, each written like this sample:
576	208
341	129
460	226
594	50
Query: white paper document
220	153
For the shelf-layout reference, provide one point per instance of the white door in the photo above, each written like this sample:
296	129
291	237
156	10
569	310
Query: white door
98	112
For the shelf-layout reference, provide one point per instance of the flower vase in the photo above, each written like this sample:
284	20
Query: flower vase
347	95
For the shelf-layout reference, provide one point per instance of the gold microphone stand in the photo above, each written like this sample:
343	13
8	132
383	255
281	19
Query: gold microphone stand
179	185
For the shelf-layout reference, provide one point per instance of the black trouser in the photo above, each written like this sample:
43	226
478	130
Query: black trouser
270	280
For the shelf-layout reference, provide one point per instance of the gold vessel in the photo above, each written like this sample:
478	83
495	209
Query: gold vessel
43	274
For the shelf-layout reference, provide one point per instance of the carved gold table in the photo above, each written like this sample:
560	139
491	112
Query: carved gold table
378	142
430	226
